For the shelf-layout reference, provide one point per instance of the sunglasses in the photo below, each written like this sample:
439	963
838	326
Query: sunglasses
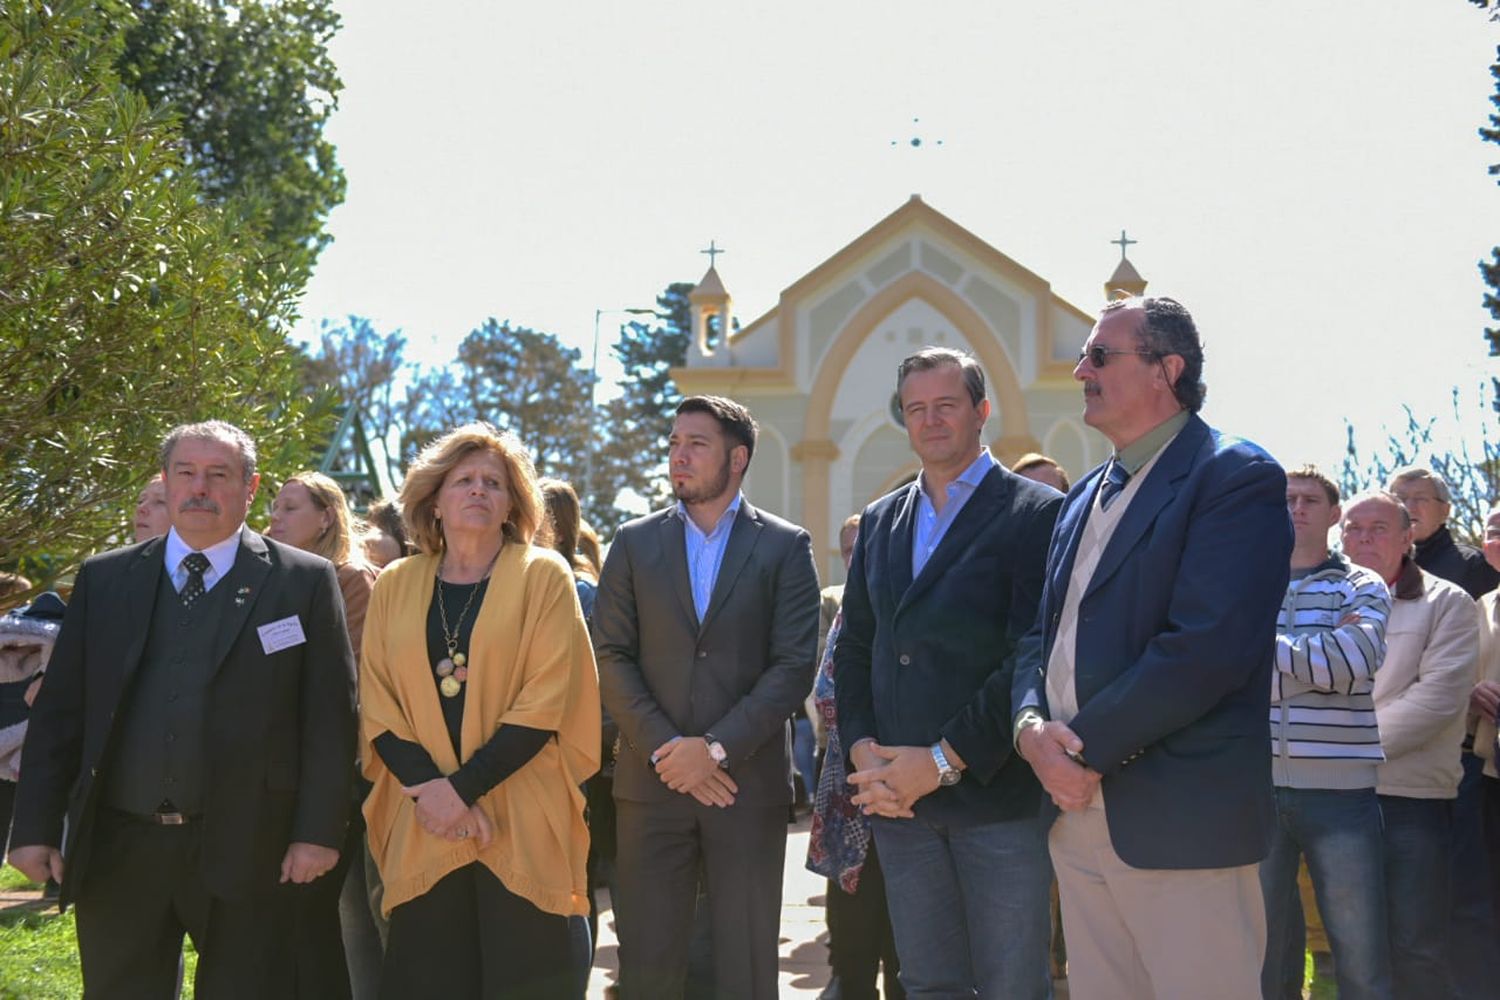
1099	356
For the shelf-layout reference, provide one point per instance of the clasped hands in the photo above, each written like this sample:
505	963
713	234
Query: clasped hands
443	814
1046	746
892	779
683	765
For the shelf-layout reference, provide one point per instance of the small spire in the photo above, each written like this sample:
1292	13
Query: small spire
1126	280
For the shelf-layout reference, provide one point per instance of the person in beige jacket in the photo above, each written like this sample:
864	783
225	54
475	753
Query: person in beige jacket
1484	702
1421	693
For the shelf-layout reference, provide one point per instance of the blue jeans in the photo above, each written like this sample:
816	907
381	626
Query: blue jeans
804	755
1471	944
969	907
1417	837
1339	831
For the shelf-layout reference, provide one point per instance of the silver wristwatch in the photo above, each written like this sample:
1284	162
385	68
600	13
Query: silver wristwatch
947	773
716	750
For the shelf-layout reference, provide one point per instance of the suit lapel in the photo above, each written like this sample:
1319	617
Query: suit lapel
1155	493
977	512
898	556
674	552
144	580
251	567
742	537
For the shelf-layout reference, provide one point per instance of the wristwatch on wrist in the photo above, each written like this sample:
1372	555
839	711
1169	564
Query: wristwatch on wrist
716	750
947	773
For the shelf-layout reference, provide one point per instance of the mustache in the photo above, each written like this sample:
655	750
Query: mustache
199	503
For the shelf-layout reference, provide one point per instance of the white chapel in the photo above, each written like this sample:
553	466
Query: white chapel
819	369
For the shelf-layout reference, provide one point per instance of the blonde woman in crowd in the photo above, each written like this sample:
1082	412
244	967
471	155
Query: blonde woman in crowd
479	721
310	513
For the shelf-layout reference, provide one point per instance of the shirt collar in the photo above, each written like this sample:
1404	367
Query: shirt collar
220	554
971	476
730	512
1136	454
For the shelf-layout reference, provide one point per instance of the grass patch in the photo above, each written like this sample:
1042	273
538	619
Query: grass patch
12	880
39	958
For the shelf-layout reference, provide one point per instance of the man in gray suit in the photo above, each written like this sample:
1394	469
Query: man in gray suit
705	630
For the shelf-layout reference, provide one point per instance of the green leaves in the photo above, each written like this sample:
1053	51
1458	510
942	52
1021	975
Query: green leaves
127	304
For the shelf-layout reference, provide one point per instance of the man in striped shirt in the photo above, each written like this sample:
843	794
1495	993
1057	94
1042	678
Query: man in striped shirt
1326	746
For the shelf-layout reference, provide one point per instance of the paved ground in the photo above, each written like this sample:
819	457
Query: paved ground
804	935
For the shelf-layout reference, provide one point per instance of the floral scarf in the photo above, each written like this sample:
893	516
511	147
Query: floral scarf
840	832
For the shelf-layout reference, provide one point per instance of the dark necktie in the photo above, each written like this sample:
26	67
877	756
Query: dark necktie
196	563
1115	479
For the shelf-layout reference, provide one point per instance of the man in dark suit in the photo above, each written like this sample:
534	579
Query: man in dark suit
705	628
195	732
1143	694
945	580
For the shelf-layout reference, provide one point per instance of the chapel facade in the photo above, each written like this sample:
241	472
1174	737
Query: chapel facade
818	370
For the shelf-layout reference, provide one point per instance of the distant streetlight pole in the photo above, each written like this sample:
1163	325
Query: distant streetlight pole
588	474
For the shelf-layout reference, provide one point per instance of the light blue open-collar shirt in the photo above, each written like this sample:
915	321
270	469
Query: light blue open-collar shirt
930	524
705	553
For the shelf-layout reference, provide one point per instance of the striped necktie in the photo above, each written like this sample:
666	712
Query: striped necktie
1114	482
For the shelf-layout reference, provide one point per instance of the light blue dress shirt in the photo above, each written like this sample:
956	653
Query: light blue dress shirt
931	525
705	553
221	556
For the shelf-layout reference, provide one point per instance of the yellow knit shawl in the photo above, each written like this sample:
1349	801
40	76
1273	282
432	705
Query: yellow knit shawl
530	664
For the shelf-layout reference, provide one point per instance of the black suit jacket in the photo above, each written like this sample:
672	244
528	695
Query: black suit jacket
279	732
739	674
933	657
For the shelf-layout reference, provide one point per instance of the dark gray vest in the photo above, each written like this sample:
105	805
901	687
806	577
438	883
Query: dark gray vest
159	748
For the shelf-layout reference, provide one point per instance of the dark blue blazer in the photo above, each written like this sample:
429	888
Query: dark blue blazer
933	657
1176	634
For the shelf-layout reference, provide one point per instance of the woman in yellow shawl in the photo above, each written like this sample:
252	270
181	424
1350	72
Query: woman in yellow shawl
479	719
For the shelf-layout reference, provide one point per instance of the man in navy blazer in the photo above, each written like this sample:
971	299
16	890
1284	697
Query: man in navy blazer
945	580
1142	694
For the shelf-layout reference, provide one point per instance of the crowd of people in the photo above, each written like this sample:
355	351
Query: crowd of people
1043	728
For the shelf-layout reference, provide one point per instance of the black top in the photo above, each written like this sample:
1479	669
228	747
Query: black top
502	755
1456	562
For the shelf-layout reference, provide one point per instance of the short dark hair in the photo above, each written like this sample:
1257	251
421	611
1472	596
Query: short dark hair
1035	459
929	358
1169	329
734	420
1316	475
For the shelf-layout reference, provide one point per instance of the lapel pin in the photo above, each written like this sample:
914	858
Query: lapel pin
240	595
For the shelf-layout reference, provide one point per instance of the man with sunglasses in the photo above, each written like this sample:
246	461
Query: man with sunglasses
1141	696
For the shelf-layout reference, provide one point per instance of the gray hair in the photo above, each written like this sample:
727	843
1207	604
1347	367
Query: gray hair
1416	473
212	430
929	358
1169	329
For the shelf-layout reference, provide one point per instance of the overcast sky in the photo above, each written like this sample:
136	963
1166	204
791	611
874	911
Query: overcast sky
1305	176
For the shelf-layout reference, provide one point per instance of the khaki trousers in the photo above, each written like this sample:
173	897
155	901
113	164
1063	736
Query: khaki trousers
1153	934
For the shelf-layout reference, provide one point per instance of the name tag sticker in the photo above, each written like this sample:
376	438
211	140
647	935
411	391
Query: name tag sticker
281	635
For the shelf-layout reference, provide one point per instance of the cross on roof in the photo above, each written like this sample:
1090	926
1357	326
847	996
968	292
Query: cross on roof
915	142
712	251
1123	242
